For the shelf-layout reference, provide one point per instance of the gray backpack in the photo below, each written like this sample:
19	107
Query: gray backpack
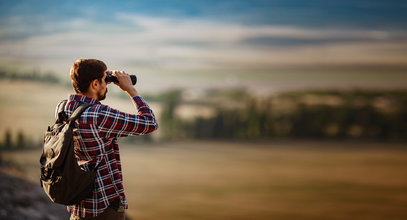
61	177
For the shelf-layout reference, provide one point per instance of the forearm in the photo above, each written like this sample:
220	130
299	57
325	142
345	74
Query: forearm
132	92
146	113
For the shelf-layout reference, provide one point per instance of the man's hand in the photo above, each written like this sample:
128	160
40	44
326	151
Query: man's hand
125	83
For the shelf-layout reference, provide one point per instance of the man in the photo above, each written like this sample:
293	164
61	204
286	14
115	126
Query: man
96	133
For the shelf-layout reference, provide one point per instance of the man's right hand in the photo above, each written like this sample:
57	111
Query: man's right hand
125	83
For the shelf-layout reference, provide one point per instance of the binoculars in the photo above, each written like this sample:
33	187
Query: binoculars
111	78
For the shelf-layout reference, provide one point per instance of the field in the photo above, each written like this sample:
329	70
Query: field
29	107
285	180
277	180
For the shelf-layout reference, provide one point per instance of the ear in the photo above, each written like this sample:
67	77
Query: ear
95	84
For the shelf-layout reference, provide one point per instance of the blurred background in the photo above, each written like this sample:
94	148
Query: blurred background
267	109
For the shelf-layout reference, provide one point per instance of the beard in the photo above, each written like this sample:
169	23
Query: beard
102	95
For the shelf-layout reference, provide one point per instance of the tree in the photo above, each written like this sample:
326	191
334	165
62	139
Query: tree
168	117
8	142
21	140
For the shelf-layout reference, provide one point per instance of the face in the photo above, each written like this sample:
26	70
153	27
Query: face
102	89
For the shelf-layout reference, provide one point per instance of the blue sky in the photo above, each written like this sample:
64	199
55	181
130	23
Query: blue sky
311	13
204	36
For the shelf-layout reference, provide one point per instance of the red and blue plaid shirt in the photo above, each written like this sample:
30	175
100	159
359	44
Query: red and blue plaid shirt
95	144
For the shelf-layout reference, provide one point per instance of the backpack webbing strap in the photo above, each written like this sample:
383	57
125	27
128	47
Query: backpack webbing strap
78	111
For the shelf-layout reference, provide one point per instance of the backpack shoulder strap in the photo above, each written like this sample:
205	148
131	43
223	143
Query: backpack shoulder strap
78	111
60	114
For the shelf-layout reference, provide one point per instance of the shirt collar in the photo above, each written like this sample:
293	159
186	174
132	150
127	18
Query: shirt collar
82	98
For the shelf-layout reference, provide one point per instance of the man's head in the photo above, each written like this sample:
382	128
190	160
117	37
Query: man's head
88	77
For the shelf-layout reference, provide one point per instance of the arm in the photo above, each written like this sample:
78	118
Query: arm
114	123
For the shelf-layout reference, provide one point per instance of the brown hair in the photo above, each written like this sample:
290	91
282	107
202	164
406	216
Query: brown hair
84	71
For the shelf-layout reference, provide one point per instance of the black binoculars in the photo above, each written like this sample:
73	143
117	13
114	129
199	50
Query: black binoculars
111	78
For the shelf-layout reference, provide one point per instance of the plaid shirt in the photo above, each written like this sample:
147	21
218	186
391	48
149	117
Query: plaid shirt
95	144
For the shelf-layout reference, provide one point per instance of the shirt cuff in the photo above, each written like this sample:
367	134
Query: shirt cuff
140	102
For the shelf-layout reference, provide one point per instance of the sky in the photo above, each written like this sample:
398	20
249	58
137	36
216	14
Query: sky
181	42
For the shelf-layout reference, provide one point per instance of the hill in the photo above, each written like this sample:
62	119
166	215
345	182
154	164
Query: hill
22	199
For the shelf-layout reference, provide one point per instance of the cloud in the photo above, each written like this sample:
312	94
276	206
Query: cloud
179	44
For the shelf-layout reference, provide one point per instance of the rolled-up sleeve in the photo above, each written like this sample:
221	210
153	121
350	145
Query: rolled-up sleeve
115	123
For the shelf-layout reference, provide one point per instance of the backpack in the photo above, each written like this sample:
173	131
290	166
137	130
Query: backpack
61	177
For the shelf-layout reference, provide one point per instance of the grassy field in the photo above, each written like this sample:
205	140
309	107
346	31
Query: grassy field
278	180
30	106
